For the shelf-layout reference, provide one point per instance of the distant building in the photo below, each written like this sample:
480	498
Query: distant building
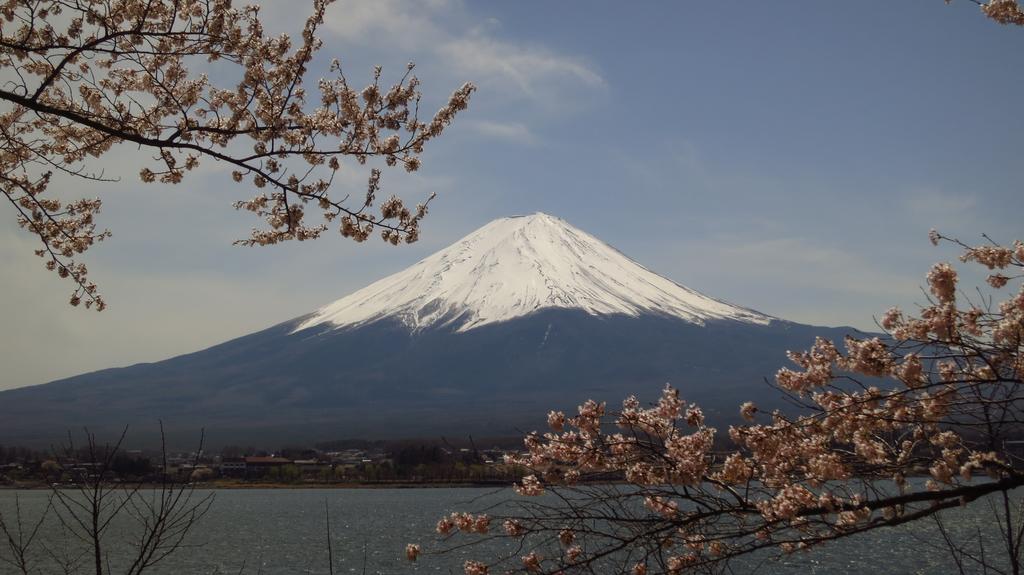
311	465
233	467
258	465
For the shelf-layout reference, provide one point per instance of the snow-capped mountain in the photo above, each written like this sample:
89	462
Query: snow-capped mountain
524	315
516	266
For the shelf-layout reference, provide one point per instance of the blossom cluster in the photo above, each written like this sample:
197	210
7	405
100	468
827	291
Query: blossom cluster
465	522
1004	11
92	74
577	446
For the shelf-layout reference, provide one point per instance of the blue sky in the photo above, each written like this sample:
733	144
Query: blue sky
786	156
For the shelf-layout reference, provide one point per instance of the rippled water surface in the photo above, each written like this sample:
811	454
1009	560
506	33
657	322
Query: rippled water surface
283	531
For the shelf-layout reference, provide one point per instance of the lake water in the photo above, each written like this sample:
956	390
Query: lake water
283	531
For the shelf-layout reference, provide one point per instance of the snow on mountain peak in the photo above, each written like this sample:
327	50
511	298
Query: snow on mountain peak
514	266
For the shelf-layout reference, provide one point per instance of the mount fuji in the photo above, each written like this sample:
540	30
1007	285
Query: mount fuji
517	266
524	315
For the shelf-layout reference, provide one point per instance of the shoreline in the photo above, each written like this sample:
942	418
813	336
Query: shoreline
215	485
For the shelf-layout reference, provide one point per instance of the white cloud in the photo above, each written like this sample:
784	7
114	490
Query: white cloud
796	278
531	71
402	23
462	45
930	207
792	263
510	131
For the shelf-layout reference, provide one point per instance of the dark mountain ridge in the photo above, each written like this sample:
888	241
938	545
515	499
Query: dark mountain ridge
381	381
